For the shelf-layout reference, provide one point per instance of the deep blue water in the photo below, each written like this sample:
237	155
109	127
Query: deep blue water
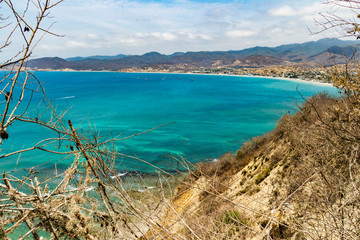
211	114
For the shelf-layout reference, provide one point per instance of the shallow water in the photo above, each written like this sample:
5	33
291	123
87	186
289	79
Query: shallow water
209	115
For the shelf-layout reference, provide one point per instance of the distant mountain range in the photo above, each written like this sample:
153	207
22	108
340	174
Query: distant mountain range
99	57
323	52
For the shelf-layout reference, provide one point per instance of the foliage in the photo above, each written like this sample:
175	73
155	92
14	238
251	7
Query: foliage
261	176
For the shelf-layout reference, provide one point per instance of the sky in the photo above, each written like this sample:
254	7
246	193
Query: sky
111	27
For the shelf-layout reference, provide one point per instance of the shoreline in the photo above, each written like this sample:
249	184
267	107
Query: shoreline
299	80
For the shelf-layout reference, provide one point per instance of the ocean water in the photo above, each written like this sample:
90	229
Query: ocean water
208	115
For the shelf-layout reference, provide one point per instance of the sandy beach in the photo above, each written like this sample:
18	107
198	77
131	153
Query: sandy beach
293	80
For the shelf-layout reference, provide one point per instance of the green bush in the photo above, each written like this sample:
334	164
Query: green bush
261	176
233	217
239	154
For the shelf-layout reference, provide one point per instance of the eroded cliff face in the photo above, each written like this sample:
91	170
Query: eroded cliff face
301	181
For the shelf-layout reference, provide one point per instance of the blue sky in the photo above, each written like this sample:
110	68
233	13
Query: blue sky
110	27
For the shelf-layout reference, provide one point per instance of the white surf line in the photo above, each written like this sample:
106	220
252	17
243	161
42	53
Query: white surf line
119	175
65	98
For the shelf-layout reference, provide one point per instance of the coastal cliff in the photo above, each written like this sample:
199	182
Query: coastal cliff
300	181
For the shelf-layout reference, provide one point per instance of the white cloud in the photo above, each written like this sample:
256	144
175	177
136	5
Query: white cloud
306	12
206	37
75	44
93	36
276	30
284	11
241	33
190	36
313	8
126	41
164	36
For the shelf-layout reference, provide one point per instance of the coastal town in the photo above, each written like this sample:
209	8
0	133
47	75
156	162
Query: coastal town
294	72
319	74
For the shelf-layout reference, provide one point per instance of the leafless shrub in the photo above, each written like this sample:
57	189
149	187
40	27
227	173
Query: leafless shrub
343	16
89	199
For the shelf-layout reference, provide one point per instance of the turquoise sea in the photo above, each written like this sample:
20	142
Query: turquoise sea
209	114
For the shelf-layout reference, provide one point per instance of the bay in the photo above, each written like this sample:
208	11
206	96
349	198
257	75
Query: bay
208	114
